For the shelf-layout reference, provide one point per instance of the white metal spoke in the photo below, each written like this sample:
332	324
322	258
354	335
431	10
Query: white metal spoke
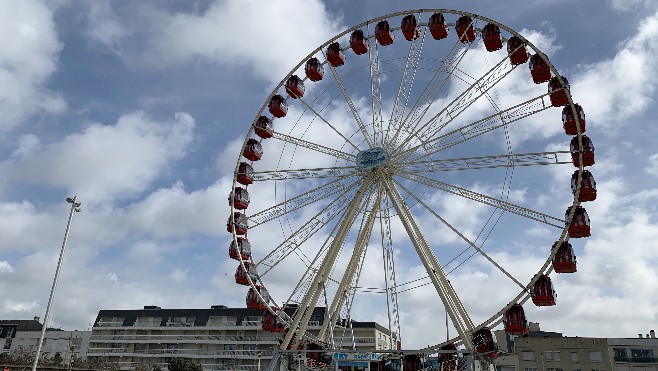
404	88
461	235
375	89
305	309
314	146
308	229
388	256
347	283
318	173
479	127
463	101
307	198
488	162
484	199
451	302
328	124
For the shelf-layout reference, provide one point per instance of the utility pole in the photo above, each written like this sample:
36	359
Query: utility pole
75	208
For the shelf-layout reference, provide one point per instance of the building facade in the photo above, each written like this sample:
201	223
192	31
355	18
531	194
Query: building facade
219	338
634	354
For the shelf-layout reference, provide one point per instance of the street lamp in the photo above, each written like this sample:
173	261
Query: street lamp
259	354
75	207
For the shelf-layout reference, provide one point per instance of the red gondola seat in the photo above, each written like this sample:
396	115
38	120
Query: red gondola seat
314	70
242	276
587	186
240	221
588	151
295	87
278	106
245	174
558	92
543	293
241	249
410	27
263	127
465	29
491	37
383	33
358	42
335	56
539	69
253	150
516	51
515	321
569	120
448	361
270	323
484	342
564	260
239	198
579	226
437	26
252	300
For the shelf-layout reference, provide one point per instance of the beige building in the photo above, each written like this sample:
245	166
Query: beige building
219	338
634	354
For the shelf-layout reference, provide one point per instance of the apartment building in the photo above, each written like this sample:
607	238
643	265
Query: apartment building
219	338
634	354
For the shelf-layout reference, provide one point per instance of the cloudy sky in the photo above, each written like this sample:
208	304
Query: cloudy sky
140	108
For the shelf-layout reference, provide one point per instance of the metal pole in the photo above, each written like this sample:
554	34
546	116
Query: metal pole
75	207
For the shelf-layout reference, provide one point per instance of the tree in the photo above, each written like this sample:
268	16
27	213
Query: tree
183	364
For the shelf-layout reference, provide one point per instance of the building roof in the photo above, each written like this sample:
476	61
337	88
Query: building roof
22	324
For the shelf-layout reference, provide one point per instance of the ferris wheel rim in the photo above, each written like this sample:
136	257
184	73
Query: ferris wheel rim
524	295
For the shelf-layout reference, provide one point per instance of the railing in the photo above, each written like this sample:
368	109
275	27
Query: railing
182	337
641	359
250	354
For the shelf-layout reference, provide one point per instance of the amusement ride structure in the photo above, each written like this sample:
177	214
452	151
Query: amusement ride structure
398	166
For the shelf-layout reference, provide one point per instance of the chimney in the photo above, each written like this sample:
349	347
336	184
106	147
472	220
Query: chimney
639	335
36	318
652	333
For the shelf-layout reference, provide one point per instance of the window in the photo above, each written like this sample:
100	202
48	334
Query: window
229	346
8	344
530	369
528	355
552	355
641	355
10	332
595	357
574	357
553	369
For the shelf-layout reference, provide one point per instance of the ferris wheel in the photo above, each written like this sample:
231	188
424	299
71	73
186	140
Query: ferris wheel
393	173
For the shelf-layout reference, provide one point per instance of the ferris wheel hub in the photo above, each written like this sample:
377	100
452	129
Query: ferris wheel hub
372	158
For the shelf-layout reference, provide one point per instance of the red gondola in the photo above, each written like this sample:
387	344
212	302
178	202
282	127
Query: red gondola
245	174
543	294
242	276
588	151
448	361
241	224
253	150
358	42
239	198
516	51
263	127
278	106
437	25
515	321
564	260
412	362
539	69
558	93
491	37
316	354
243	248
253	302
270	323
484	342
295	87
314	70
335	56
465	30
383	33
587	186
410	27
579	226
569	120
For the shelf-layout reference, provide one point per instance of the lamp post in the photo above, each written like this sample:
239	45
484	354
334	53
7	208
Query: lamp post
259	354
75	207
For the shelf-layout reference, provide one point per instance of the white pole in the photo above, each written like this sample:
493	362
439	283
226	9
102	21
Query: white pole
75	207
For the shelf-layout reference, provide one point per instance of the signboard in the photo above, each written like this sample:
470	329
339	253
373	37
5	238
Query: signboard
365	356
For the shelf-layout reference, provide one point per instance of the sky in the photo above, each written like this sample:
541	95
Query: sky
140	109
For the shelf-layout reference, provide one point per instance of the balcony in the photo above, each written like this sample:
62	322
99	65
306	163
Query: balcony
642	359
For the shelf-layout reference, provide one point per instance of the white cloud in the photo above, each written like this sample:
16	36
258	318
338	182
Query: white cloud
5	267
652	168
107	161
29	52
